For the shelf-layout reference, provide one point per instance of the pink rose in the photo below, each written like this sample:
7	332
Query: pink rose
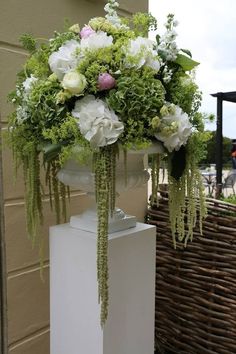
86	32
106	81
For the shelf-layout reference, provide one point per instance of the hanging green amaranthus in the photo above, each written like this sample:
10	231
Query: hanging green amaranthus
186	196
104	167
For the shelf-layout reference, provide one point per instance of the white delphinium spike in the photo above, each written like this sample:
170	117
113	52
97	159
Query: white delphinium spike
167	41
112	16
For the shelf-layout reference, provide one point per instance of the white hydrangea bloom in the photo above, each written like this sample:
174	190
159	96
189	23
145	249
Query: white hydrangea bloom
65	59
96	41
142	50
175	129
99	124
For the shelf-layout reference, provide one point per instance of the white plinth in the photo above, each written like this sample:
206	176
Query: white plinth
89	222
75	313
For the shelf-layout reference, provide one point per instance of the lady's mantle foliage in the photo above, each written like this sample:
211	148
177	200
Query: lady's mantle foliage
97	87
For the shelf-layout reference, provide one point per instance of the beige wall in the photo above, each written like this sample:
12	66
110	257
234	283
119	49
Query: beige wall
27	295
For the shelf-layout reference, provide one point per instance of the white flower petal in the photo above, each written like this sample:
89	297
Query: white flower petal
99	125
64	59
96	41
180	137
141	49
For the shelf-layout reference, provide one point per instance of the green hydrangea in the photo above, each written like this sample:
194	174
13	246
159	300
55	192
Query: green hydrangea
142	23
137	98
184	92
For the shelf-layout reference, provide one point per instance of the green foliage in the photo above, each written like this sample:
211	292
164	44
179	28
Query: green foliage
92	73
60	38
142	23
29	42
44	112
137	98
186	51
194	206
37	64
230	199
211	150
104	166
65	131
183	91
186	63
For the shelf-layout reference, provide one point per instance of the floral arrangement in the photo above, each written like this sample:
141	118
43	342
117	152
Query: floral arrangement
107	87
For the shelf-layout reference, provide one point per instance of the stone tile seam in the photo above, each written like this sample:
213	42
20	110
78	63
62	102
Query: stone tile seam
14	48
30	337
11	202
124	12
15	273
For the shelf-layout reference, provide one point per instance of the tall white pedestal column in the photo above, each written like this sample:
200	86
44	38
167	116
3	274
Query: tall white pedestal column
75	313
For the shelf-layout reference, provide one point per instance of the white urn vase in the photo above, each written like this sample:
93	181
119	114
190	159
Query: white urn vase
129	175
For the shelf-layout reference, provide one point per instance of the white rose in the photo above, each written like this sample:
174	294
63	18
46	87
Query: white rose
99	124
141	49
96	41
182	129
74	82
27	84
64	59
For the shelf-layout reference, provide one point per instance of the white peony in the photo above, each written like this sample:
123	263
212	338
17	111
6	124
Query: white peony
176	128
65	59
27	84
99	124
96	41
141	50
74	82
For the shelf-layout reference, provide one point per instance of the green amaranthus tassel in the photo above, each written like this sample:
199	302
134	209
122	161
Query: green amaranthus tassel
104	167
185	211
31	169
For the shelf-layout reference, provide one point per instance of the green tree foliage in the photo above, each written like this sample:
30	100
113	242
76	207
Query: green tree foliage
211	150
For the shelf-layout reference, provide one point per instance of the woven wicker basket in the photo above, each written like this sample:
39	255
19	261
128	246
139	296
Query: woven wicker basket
196	286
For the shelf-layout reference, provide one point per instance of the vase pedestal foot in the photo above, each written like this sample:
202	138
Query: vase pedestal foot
75	312
88	221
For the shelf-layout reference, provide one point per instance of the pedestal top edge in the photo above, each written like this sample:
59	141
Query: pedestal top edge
140	227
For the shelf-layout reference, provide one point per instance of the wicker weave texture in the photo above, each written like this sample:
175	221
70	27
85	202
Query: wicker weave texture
196	286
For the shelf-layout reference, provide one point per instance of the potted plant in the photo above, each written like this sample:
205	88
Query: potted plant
106	87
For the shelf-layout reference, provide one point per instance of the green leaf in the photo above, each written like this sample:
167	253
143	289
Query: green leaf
162	54
50	151
185	62
178	163
186	51
158	37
